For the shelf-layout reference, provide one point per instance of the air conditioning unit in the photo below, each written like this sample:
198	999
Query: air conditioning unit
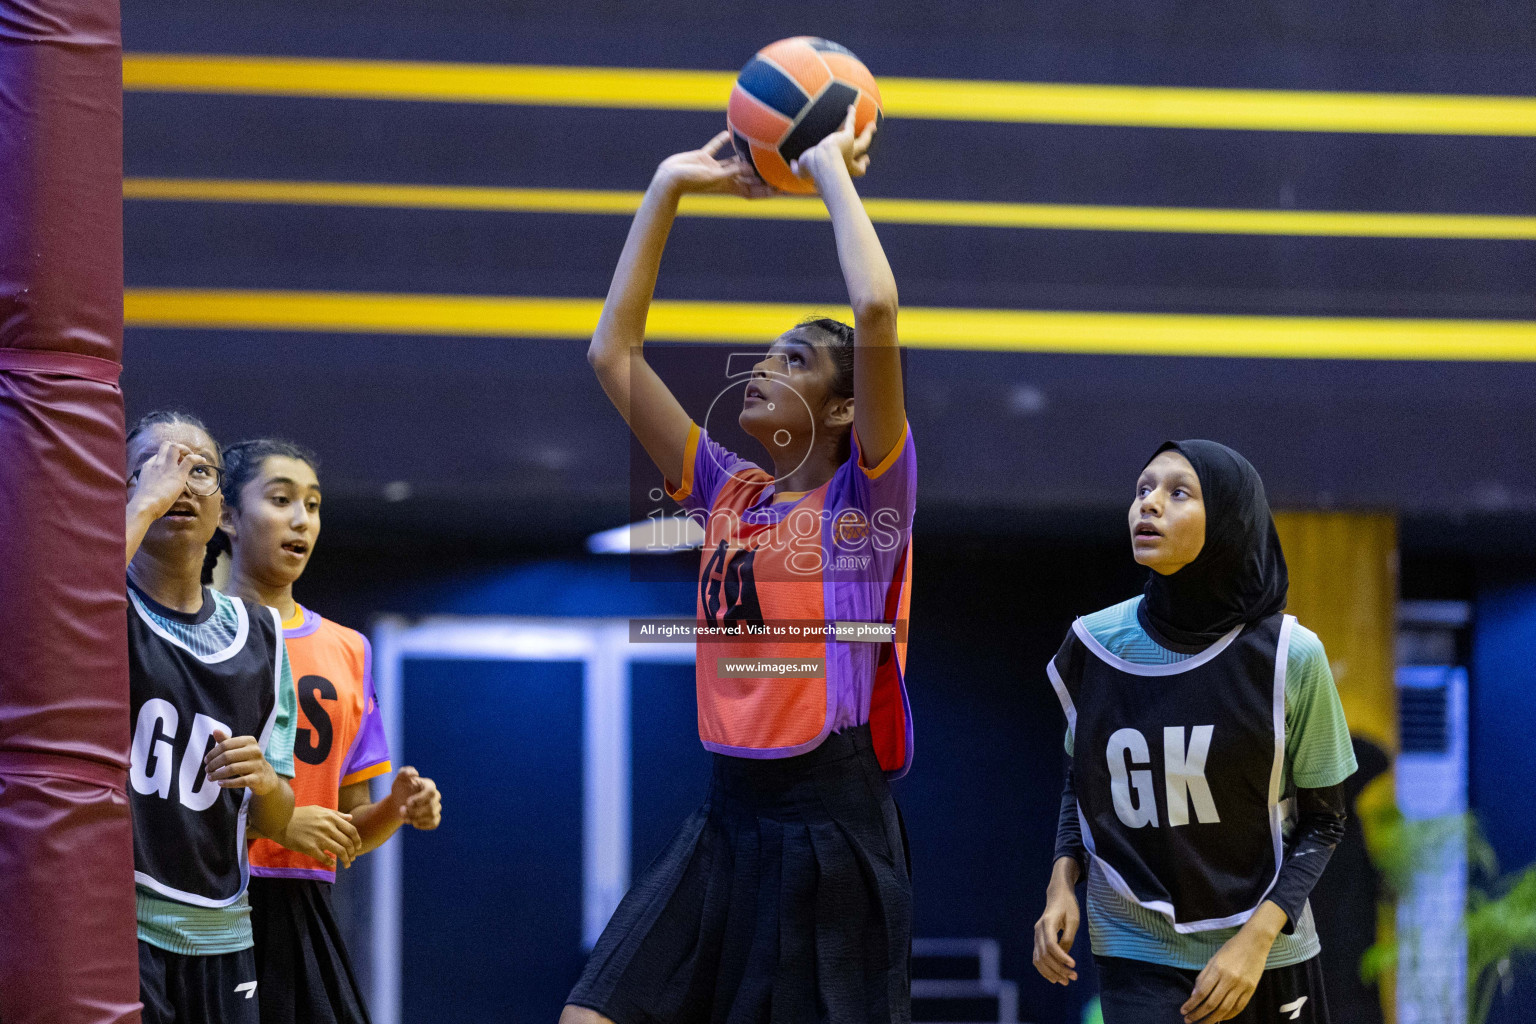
1432	784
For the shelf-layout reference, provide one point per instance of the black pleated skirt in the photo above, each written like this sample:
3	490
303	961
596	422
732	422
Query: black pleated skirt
303	972
785	899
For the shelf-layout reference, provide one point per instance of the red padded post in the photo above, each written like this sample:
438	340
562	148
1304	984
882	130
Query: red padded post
67	947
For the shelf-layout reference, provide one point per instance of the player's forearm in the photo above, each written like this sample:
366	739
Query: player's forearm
1265	924
1069	831
254	832
1320	825
376	822
866	271
622	324
139	520
271	811
1064	874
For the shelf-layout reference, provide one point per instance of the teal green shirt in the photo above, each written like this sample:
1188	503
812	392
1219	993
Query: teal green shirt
1318	754
210	931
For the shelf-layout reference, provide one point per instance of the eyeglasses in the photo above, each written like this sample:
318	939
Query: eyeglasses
203	479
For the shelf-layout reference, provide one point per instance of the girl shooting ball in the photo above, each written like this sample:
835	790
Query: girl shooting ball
786	896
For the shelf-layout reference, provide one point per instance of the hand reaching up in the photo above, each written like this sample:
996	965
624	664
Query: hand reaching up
703	171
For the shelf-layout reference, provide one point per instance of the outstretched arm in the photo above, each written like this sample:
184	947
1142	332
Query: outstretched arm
645	402
879	410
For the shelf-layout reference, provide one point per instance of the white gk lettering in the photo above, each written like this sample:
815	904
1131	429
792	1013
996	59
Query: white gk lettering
1184	774
1183	777
1144	810
149	767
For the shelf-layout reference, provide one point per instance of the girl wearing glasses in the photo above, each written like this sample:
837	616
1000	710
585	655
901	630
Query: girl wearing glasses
211	701
786	896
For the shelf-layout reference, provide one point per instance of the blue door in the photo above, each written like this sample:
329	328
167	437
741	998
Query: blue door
491	925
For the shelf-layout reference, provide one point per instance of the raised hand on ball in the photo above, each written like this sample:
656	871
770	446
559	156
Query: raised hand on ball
844	146
703	170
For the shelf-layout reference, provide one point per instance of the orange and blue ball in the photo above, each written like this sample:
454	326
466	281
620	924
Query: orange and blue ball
790	96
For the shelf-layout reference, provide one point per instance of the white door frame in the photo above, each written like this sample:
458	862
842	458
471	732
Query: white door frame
603	646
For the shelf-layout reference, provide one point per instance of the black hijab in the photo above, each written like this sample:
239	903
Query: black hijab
1239	575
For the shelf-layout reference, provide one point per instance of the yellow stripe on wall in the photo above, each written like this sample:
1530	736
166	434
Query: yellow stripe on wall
952	213
1161	334
526	84
929	98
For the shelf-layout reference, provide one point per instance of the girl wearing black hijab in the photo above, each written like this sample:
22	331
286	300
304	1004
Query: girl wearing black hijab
1204	798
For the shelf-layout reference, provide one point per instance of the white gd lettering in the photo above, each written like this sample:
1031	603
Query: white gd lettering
149	764
149	741
1144	810
248	987
1184	775
203	797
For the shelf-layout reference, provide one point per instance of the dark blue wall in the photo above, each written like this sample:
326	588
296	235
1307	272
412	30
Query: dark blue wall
514	437
1504	719
1426	46
1503	724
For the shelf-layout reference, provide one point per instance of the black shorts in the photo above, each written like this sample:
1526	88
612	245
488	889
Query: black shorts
179	989
1138	992
785	899
302	963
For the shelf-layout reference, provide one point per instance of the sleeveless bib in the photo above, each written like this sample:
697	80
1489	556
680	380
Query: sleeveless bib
188	833
1178	768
